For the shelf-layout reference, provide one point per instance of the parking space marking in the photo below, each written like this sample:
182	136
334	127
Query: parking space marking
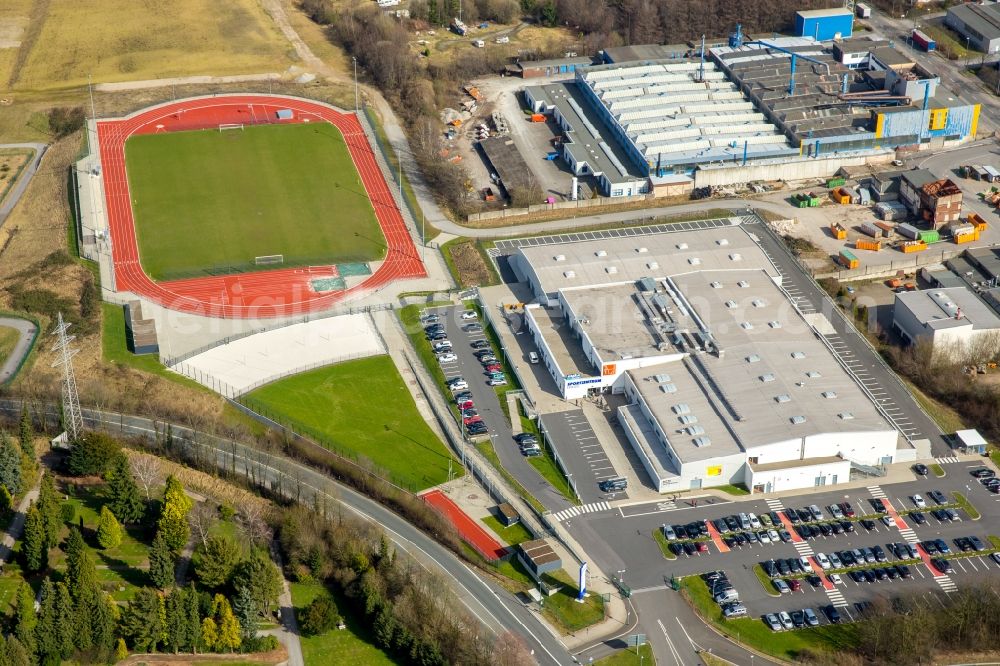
716	537
836	597
876	491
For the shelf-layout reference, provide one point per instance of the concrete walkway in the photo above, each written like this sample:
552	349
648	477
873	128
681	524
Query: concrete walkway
21	349
16	526
22	184
288	631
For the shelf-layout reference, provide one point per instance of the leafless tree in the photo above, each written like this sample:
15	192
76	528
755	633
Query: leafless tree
254	523
510	650
203	518
147	472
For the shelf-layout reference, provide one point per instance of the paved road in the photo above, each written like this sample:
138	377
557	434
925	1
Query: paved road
22	184
12	363
493	606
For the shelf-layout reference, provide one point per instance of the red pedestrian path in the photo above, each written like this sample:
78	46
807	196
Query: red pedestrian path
901	524
471	531
274	293
716	537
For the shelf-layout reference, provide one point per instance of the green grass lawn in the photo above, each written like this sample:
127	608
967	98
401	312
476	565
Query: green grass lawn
664	545
361	408
352	645
215	200
937	470
630	657
830	638
8	338
964	504
512	535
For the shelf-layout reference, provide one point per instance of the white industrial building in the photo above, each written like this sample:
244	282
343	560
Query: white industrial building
727	382
952	319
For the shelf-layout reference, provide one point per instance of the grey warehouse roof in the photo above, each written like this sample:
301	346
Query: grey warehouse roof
937	308
675	115
985	18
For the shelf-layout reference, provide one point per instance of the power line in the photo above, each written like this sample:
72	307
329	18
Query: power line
72	416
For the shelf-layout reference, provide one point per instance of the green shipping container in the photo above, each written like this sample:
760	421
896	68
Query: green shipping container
929	236
835	182
814	202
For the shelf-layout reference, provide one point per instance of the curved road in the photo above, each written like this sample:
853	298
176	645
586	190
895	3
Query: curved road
495	608
12	363
22	184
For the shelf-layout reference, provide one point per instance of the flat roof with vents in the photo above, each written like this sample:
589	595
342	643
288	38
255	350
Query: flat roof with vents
938	309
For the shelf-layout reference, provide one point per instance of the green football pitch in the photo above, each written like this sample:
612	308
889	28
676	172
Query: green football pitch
361	408
209	202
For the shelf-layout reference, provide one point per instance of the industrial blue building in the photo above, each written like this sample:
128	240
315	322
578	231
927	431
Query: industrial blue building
824	25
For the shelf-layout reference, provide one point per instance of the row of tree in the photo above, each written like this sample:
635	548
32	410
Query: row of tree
413	615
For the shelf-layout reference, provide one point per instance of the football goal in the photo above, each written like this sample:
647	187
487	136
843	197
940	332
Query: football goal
230	126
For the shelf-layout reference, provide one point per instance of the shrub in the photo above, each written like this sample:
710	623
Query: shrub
319	616
93	454
64	121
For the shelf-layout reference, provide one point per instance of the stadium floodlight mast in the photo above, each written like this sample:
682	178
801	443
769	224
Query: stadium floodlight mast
355	60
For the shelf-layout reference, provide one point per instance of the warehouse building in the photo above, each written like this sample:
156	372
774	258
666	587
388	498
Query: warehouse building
953	319
726	381
979	23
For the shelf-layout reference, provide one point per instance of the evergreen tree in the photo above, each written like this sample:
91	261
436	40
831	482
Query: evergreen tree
161	563
258	575
15	653
121	652
81	571
10	465
193	615
6	502
64	620
26	435
104	623
25	622
109	531
319	616
245	611
34	547
214	560
177	624
49	505
125	501
173	517
142	620
46	632
229	628
209	634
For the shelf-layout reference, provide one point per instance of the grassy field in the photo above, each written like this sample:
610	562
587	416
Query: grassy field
352	645
8	338
362	408
630	657
512	535
212	200
785	645
120	40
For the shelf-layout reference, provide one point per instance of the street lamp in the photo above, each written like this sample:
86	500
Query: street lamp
967	52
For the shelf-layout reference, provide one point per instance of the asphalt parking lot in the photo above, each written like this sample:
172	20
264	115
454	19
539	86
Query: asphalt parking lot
645	567
466	365
582	453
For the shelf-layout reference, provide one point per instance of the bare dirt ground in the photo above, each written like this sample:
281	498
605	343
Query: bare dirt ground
469	264
11	162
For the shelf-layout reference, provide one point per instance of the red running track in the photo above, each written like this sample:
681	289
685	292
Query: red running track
263	294
471	532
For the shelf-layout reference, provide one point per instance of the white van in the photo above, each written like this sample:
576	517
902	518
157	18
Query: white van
533	357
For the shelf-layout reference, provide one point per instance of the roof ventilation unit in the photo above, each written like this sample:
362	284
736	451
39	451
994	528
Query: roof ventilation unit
735	256
646	284
746	326
813	374
767	377
682	246
641	250
716	285
742	284
753	358
694	261
798	354
722	241
661	379
846	416
601	253
758	303
569	274
560	257
774	324
681	408
730	304
611	270
668	388
784	397
695	430
688	419
829	395
652	265
797	420
701	441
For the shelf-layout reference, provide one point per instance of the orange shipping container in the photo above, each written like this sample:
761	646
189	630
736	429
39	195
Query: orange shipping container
537	118
914	246
967	238
839	232
873	245
976	220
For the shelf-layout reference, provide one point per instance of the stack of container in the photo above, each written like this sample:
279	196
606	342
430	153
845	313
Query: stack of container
887	229
964	233
929	236
835	182
908	231
874	230
891	210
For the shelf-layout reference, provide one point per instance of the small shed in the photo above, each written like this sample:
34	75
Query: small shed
285	114
971	441
538	557
507	515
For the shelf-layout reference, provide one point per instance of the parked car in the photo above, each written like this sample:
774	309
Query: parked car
781	586
447	358
470	314
823	560
480	344
982	472
938	497
918	501
811	618
889	521
847	509
918	517
798	618
921	469
942	565
832	614
786	620
772	622
795	584
835	511
496	382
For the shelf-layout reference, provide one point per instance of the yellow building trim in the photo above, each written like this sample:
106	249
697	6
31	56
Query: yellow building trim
975	121
879	126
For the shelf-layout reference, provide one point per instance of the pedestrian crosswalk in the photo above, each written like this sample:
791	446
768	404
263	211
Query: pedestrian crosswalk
909	535
877	491
803	548
836	598
580	510
946	460
774	504
946	583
